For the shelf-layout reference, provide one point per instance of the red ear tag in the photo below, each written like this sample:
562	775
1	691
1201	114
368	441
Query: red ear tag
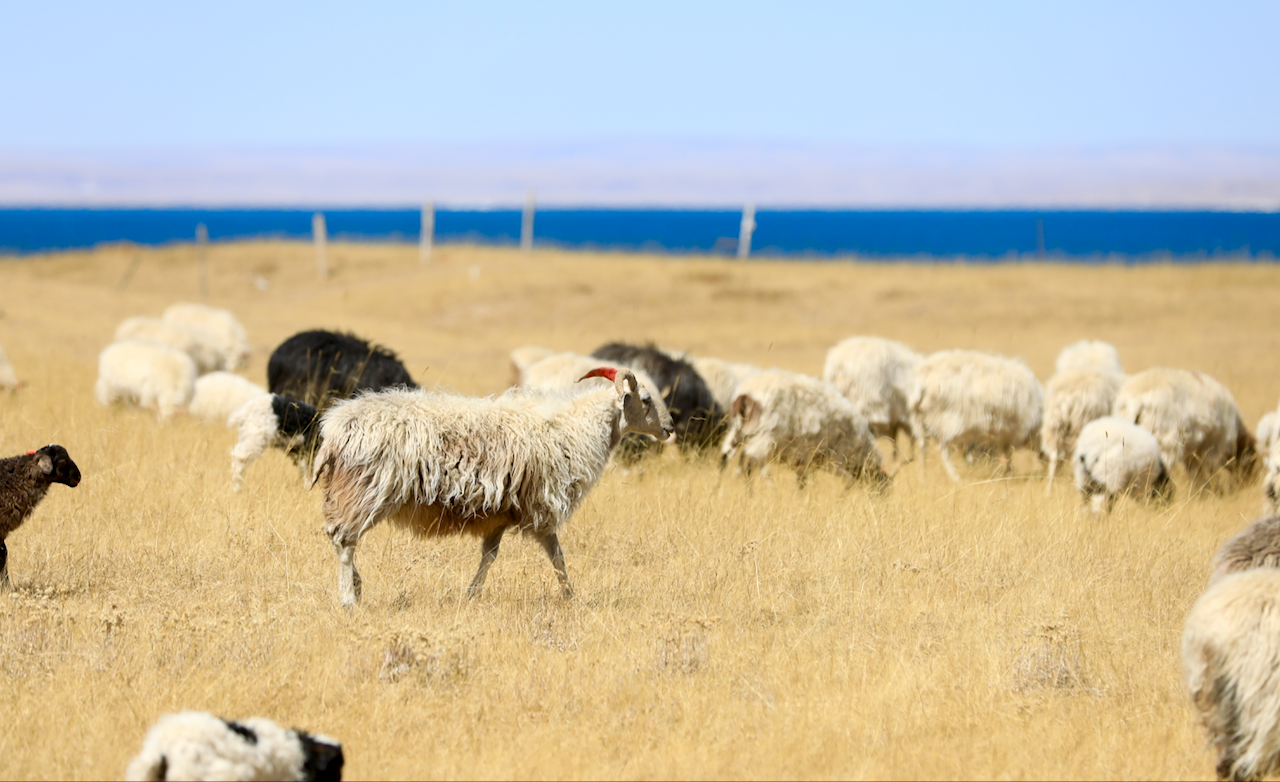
31	453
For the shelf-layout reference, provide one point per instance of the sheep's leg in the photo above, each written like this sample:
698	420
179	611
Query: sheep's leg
1053	467
488	553
944	449
552	545
4	567
348	576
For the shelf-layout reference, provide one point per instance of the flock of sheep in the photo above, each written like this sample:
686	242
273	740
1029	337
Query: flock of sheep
439	463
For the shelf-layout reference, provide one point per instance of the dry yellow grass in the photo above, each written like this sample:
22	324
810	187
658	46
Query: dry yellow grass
719	630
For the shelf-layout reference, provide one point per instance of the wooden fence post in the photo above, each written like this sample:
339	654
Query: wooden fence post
427	235
321	238
526	223
202	258
744	234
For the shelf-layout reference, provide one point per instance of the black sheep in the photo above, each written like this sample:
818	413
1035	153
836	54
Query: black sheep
699	420
24	480
318	367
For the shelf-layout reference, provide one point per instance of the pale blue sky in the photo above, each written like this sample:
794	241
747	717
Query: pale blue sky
991	75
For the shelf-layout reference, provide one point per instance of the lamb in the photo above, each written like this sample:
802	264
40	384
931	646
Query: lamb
271	420
441	464
1114	457
975	400
1197	423
804	423
1258	546
319	367
875	374
197	344
1089	354
1230	652
8	378
698	419
24	480
219	394
198	745
147	374
1072	399
228	337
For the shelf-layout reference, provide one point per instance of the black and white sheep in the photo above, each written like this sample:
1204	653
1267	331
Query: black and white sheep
319	367
24	480
219	327
875	374
441	464
1113	457
197	745
698	419
219	394
273	421
1072	399
146	374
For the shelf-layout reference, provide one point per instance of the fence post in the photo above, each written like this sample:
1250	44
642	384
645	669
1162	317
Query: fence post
526	223
321	238
748	227
202	258
428	231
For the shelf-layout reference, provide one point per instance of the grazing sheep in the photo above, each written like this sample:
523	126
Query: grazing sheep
319	367
699	420
24	480
524	357
804	423
1231	652
722	377
1089	354
443	464
1197	423
975	400
1258	546
1267	431
219	394
271	420
146	374
228	337
198	745
8	378
194	343
1114	457
875	374
1071	400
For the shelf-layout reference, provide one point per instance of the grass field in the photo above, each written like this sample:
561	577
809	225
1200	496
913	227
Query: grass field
719	630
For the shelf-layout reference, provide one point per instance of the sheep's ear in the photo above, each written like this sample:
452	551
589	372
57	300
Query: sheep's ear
746	408
45	462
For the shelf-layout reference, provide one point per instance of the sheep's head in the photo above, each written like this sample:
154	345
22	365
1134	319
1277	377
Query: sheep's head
56	465
642	412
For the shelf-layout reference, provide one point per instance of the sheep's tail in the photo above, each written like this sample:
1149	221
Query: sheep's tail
323	462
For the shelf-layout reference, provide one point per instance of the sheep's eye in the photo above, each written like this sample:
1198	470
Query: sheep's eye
626	400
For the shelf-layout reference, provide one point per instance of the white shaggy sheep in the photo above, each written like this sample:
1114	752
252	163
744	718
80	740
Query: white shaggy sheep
875	374
273	421
563	371
1114	457
198	745
8	378
1267	431
443	464
1197	423
228	336
1258	546
146	374
1072	399
804	423
219	394
963	397
722	377
1089	354
193	342
1230	653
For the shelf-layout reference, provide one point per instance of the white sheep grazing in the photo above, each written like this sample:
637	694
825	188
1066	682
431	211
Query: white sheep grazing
273	421
146	374
1197	423
1114	457
1230	653
1089	354
8	378
228	337
722	377
442	465
1267	431
195	343
1071	400
219	394
875	374
524	357
963	397
197	745
804	423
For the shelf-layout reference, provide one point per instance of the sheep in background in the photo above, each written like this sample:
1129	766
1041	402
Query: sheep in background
698	419
198	745
722	377
1267	431
1114	457
1197	423
228	337
1231	652
24	480
198	345
1258	546
804	423
146	374
1089	354
8	378
524	357
219	394
963	397
273	421
1071	400
875	375
442	465
319	367
563	371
